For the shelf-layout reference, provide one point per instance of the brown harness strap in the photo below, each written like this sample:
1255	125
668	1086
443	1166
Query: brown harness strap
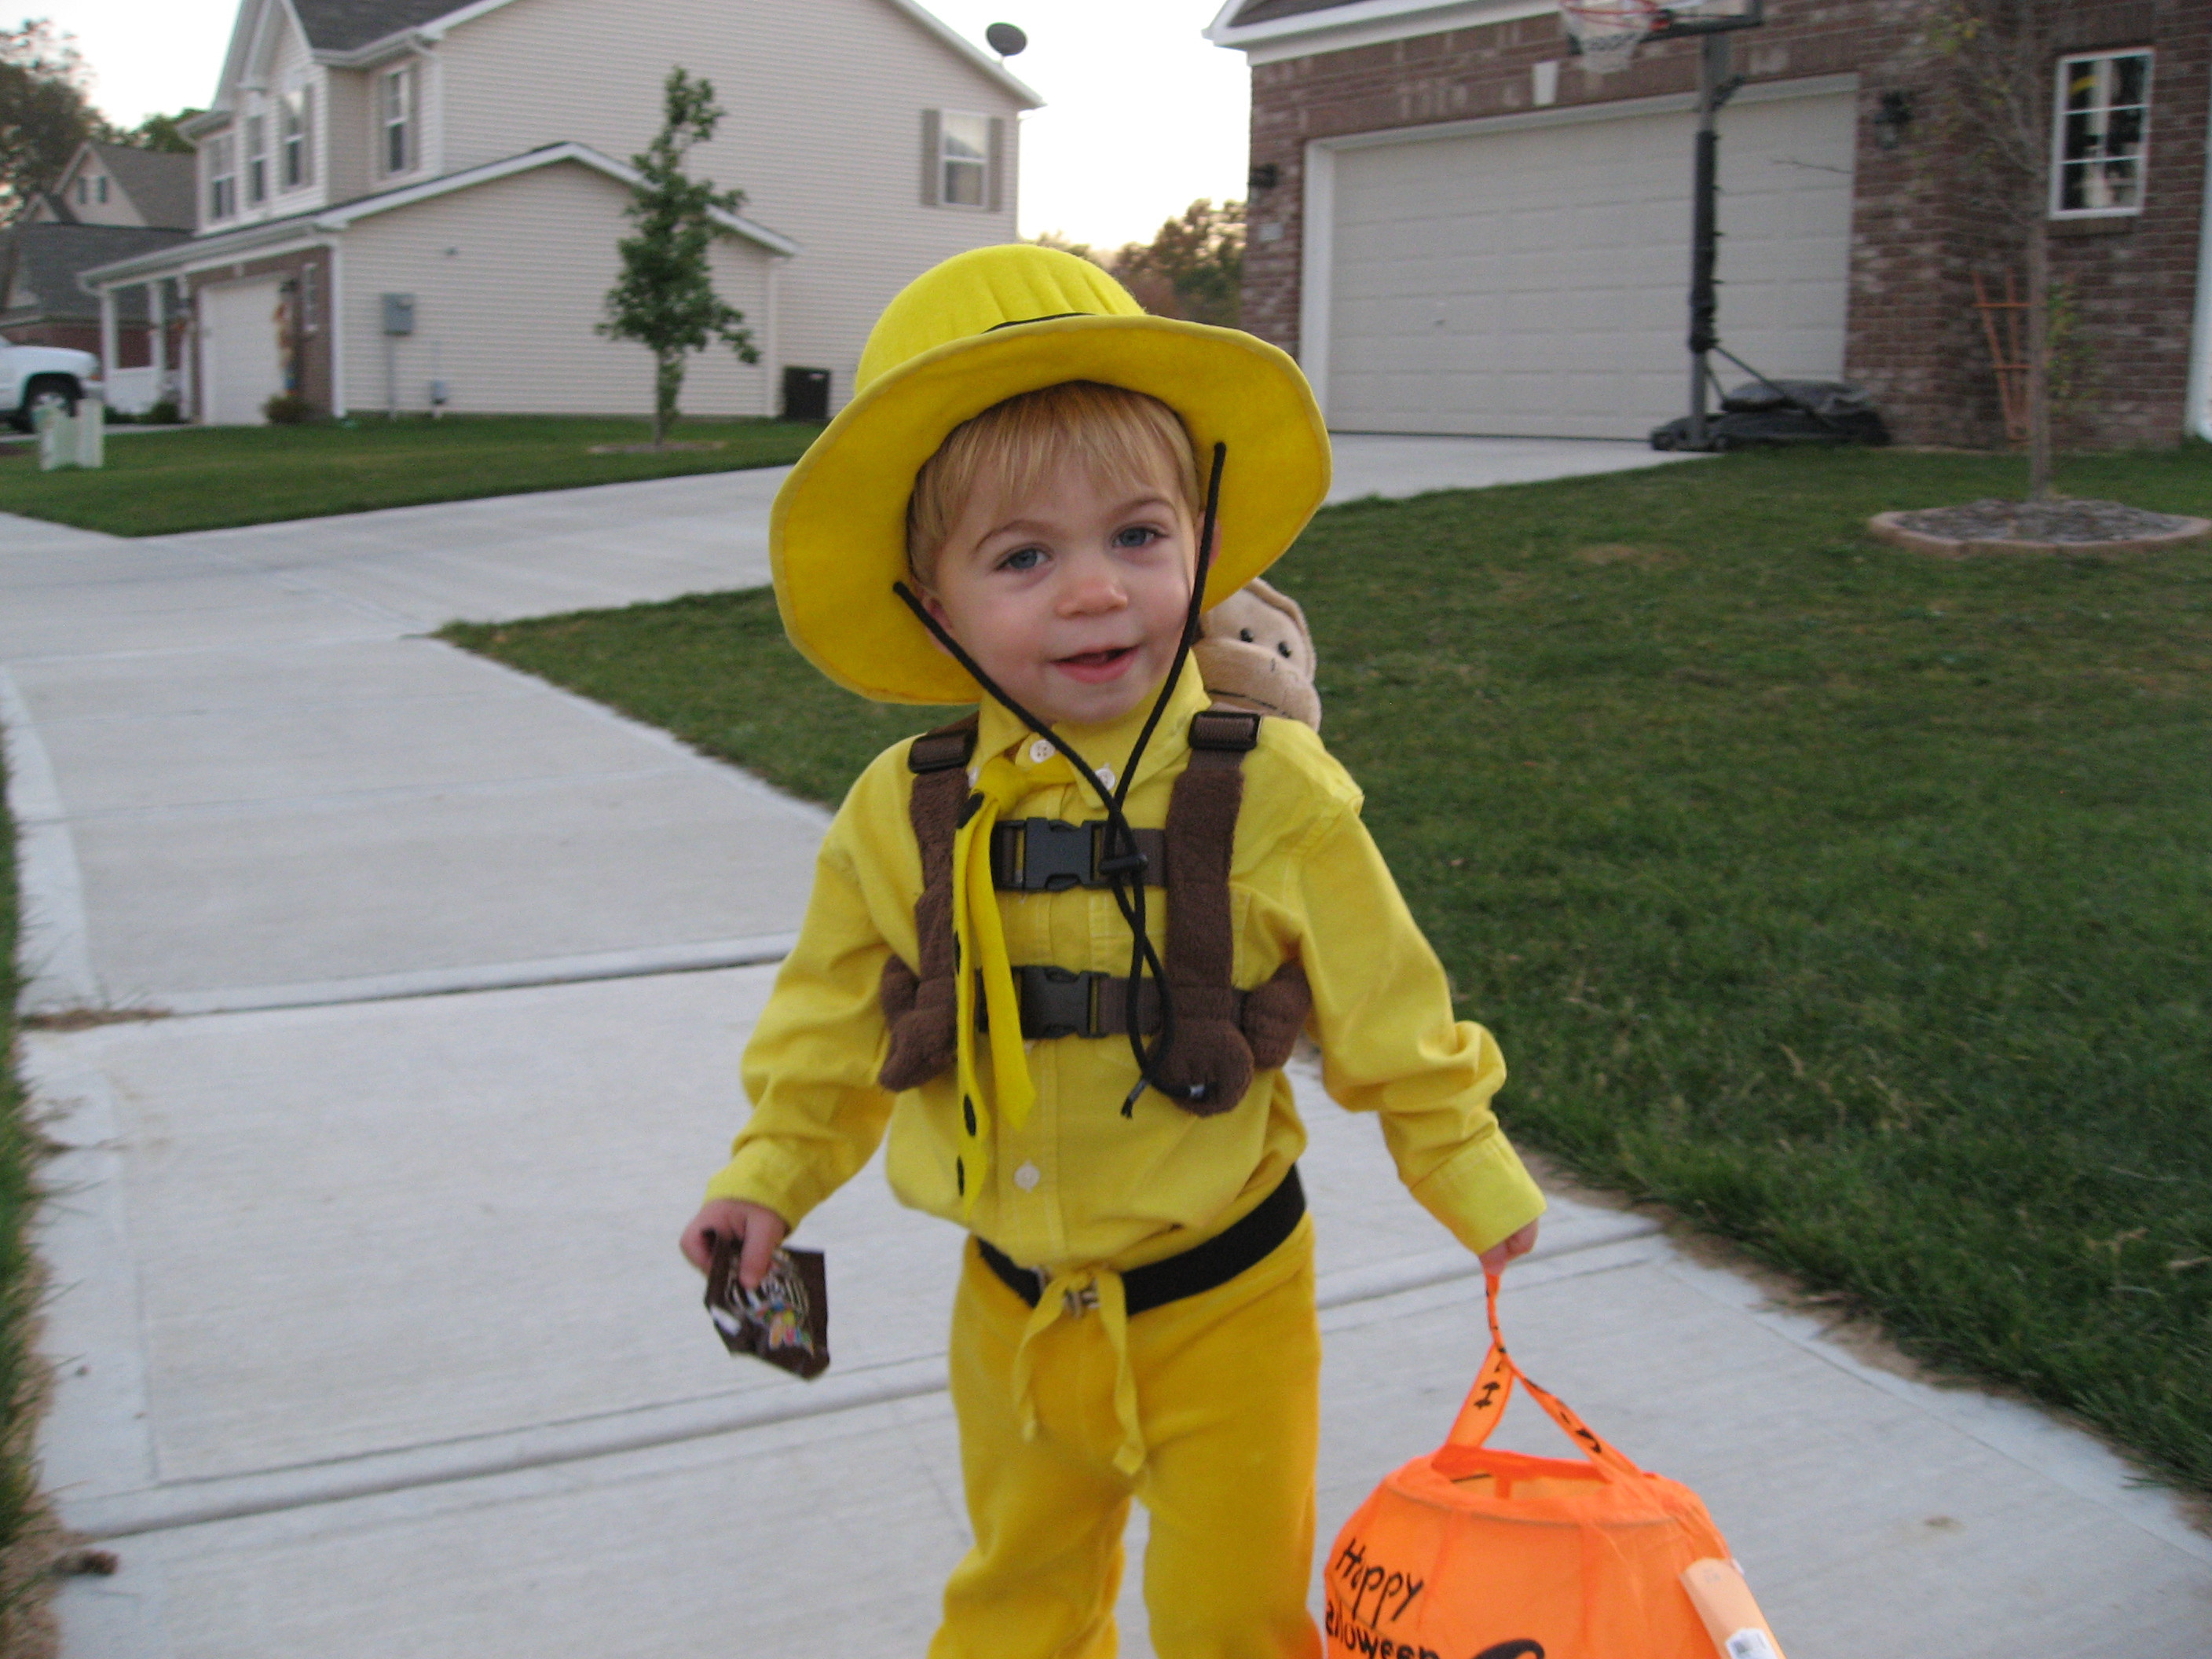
1222	1035
920	1003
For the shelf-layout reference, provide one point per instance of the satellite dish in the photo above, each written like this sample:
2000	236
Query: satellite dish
1005	40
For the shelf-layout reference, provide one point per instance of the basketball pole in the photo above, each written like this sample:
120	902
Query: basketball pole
1715	88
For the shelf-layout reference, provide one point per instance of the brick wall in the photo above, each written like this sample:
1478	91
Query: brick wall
1912	335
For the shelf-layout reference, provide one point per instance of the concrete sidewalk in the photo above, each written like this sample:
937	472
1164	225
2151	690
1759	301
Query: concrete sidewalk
368	1331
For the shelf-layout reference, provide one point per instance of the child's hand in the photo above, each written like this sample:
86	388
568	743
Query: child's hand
1519	1244
761	1230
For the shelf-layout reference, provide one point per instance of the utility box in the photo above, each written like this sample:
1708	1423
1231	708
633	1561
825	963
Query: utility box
805	394
398	313
67	439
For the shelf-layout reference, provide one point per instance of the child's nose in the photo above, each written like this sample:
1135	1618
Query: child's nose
1094	585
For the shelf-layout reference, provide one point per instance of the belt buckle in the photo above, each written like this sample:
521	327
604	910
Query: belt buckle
1080	1299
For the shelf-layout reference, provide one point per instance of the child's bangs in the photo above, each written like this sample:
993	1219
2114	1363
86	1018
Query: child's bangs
1122	438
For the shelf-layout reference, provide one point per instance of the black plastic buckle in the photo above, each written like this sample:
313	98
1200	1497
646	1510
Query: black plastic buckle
1058	1002
1048	855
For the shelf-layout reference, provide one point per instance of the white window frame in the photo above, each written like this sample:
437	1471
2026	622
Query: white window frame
398	127
980	162
295	139
223	176
2102	72
256	158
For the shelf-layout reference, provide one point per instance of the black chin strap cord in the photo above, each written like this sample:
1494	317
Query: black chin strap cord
1124	865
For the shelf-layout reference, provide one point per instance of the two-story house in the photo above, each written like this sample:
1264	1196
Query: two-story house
404	204
1460	226
111	203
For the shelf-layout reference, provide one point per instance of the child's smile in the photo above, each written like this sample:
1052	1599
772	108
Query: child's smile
1072	597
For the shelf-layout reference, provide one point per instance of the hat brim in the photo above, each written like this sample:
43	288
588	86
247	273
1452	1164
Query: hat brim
837	535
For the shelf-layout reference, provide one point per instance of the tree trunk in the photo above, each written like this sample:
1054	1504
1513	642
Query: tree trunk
667	385
2039	362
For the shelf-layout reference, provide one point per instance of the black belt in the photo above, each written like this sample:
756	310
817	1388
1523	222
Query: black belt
1058	1002
1201	1268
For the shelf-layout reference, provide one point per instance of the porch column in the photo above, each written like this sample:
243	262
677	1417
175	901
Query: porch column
110	358
157	317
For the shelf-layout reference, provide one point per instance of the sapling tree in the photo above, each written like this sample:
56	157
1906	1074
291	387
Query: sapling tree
666	298
1994	60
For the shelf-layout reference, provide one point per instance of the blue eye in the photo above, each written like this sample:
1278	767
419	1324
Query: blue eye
1022	558
1137	535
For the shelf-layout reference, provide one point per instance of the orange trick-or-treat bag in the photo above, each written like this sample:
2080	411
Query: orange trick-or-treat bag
1471	1553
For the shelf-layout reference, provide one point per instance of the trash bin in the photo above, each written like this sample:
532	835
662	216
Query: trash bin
805	394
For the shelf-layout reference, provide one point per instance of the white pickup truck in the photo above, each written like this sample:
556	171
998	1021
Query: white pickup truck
33	376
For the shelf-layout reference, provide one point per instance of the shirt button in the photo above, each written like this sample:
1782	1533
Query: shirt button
1106	777
1027	1178
1039	752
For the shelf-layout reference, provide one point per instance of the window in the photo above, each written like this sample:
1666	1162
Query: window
222	177
966	157
2102	124
296	138
960	159
395	112
83	190
257	159
101	187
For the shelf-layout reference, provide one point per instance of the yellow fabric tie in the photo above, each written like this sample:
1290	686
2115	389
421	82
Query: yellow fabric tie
1076	1293
982	933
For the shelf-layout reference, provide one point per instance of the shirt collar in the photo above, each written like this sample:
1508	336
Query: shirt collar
1106	746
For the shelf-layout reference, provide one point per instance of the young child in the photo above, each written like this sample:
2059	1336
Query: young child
1150	900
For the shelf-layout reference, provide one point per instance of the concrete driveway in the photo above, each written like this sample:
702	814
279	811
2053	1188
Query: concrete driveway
368	1331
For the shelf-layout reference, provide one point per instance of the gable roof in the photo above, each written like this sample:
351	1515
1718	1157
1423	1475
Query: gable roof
39	264
160	184
345	25
1264	11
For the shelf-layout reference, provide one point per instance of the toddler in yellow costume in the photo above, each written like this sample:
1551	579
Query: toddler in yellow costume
1060	951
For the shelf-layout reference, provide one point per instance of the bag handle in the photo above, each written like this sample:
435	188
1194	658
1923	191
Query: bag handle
1493	1387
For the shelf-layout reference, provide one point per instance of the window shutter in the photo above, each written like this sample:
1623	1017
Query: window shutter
306	134
933	158
994	194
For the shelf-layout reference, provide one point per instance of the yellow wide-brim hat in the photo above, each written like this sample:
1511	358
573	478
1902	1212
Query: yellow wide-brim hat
981	328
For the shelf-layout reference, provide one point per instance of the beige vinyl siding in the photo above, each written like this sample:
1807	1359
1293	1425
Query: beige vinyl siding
506	316
344	136
822	133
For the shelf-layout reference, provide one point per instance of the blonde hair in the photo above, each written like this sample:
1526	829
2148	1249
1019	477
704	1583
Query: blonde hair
1120	437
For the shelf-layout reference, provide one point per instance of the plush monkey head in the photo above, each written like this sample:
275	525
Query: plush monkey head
1255	652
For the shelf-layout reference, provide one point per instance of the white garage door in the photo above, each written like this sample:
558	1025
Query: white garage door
238	353
1533	281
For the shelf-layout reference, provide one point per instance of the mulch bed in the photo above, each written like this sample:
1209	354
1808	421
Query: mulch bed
1994	526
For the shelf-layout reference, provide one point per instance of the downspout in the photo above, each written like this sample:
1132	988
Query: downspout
2200	358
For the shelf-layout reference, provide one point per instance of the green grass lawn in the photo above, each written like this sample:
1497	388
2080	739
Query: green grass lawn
211	476
22	1523
1856	905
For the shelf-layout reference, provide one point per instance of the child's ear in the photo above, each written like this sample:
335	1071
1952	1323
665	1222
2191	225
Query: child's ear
935	606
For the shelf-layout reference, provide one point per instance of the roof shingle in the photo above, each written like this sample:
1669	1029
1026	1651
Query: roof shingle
160	184
343	24
1263	11
38	264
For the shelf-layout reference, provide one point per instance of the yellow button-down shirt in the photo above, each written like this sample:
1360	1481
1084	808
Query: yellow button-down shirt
1079	1184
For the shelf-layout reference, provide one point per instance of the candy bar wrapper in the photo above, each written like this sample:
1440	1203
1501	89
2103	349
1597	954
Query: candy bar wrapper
785	1321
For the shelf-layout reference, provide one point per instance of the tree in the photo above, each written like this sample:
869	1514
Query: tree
1994	59
665	299
161	132
1194	267
44	112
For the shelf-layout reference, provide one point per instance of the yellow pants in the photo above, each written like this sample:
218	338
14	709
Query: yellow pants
1227	1402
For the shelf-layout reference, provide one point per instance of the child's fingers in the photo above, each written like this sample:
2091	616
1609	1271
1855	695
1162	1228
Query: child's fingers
763	1232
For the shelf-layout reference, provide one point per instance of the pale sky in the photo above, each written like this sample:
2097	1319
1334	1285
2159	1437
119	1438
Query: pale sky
1142	114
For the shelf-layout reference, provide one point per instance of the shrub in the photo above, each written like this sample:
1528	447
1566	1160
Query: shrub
164	413
288	409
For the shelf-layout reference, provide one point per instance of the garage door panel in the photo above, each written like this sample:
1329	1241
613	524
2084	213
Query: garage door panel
1533	281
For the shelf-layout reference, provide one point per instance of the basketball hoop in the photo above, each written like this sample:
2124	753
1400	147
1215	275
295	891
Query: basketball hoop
1608	32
